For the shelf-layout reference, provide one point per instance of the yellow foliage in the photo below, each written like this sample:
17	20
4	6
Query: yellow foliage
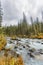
16	61
39	36
20	61
13	37
2	41
2	60
11	61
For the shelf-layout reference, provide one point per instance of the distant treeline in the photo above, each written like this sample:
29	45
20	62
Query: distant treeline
23	28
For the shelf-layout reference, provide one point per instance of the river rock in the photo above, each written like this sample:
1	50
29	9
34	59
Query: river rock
32	50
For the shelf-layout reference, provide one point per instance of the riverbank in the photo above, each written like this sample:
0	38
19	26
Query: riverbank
27	36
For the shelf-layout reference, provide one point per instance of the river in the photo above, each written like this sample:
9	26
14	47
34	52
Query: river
31	50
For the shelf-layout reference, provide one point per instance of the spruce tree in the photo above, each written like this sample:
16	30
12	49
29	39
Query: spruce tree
0	14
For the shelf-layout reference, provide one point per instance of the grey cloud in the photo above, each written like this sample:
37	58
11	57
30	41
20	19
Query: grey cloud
13	9
10	12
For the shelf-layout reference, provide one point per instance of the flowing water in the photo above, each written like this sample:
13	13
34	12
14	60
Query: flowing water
31	50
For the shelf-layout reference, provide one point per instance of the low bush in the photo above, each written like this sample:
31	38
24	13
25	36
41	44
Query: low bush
2	41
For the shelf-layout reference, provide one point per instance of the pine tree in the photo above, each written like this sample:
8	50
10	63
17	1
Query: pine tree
24	24
0	14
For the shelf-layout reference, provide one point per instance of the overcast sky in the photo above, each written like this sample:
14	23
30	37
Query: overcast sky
13	10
